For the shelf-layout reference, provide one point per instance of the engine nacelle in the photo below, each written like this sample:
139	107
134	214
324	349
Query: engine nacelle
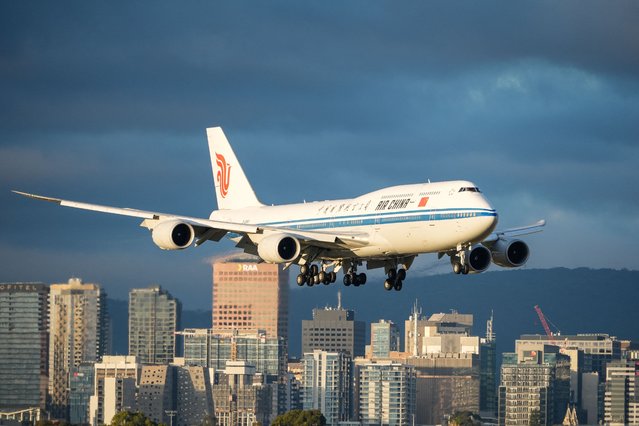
509	253
279	248
478	259
173	235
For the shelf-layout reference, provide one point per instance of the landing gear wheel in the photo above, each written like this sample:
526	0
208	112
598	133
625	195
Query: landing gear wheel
316	279
347	279
322	276
362	278
314	269
304	269
457	267
301	280
465	270
401	274
309	282
398	285
392	274
356	281
333	276
388	285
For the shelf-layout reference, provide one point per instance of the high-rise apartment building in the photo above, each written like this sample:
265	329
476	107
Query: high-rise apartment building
154	317
621	399
535	387
385	392
326	384
24	336
333	330
249	297
157	396
81	388
240	398
114	378
384	339
79	331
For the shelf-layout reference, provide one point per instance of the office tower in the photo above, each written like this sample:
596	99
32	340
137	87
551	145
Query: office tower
621	399
333	330
157	397
78	333
446	383
194	398
326	384
534	385
81	389
114	378
24	336
446	359
488	372
154	316
598	349
385	392
249	297
417	327
384	339
267	354
240	398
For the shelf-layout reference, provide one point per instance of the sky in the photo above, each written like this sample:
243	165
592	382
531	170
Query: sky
108	102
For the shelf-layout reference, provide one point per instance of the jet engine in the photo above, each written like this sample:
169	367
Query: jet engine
173	235
509	253
279	248
478	259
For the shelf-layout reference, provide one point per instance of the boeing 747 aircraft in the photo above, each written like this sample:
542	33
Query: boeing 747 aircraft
386	229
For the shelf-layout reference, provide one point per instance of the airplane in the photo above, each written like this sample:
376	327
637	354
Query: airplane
387	228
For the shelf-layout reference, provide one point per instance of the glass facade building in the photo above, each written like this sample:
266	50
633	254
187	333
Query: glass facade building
384	339
24	316
154	316
267	354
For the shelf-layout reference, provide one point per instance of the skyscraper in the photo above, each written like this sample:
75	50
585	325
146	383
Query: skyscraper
157	392
24	336
79	331
249	296
333	330
154	317
326	384
535	385
488	372
384	339
385	392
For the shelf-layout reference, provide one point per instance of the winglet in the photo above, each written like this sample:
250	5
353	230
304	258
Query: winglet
37	197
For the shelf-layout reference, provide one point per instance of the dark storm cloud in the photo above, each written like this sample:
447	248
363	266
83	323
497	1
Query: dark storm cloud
536	102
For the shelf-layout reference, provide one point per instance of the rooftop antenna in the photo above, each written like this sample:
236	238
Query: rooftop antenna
490	335
339	299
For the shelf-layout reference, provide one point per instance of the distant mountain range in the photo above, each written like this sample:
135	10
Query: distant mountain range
575	300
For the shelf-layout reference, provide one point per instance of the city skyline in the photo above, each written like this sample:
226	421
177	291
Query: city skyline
542	120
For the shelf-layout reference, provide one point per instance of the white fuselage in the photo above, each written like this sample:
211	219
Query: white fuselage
399	220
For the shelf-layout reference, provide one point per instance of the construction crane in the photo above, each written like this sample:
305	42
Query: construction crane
544	323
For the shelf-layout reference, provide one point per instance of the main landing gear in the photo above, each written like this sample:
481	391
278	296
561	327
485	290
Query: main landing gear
352	277
395	279
312	275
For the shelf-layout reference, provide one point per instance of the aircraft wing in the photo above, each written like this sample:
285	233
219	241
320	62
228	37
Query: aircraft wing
147	215
516	232
214	229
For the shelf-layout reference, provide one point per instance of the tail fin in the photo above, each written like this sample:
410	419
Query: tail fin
232	188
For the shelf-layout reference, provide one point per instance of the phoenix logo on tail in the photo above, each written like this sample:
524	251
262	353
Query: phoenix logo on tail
223	174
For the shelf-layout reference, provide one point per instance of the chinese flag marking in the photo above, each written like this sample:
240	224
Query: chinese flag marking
422	202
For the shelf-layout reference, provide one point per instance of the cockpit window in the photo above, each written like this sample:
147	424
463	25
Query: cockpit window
469	189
